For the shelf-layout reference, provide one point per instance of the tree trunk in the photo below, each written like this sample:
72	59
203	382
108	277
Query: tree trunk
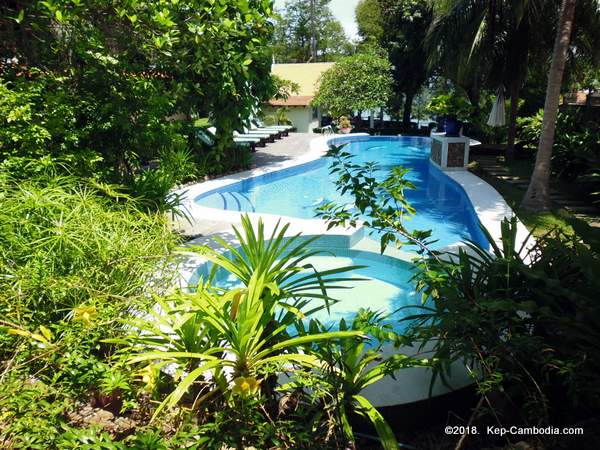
537	197
408	101
518	58
512	120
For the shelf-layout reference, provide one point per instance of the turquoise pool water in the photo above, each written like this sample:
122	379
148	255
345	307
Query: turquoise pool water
442	205
383	285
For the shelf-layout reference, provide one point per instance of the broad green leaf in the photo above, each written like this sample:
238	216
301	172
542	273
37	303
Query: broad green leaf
385	433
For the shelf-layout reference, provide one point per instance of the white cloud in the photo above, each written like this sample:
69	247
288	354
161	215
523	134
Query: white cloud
343	10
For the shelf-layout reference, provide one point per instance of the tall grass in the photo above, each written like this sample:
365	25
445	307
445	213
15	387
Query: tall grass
66	242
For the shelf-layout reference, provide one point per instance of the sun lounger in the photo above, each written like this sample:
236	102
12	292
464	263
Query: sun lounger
268	135
260	124
208	137
280	132
259	139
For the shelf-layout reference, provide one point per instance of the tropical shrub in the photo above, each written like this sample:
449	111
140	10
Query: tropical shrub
278	117
576	150
38	120
102	99
30	413
66	243
74	256
349	367
524	320
152	188
450	105
242	336
219	352
361	82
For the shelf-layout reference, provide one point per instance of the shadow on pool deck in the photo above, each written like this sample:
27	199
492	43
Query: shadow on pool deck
292	146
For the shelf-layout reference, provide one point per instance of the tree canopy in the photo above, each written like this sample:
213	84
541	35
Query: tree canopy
400	27
104	74
369	21
294	28
360	82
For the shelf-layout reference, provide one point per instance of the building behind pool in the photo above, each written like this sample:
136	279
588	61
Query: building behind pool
297	107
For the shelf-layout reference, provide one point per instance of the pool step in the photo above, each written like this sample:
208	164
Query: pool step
236	201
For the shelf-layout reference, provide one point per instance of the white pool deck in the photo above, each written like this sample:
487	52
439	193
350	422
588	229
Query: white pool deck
412	384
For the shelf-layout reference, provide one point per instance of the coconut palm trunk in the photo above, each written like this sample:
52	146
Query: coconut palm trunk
537	197
518	56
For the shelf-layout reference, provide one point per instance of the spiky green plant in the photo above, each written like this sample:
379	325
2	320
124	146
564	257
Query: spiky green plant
349	366
242	336
66	243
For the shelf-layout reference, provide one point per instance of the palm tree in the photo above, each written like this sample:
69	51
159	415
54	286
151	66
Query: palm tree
485	42
537	198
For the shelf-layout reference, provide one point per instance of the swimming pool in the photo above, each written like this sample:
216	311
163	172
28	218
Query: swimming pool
442	205
383	285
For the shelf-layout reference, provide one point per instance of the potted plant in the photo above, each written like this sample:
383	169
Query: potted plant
453	109
344	125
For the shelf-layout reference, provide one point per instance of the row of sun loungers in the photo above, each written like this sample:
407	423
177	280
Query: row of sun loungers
254	135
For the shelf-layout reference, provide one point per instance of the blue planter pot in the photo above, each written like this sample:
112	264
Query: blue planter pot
452	127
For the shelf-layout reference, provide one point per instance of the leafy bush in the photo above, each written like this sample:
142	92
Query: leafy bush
278	117
152	189
576	150
524	319
349	367
125	67
38	120
30	413
74	256
450	105
236	158
344	123
361	82
179	161
212	161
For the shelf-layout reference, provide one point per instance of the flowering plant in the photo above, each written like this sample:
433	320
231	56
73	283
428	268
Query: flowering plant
344	123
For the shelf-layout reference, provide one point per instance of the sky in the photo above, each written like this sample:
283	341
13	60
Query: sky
343	10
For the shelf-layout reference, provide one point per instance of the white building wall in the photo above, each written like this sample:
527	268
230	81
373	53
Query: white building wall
300	116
